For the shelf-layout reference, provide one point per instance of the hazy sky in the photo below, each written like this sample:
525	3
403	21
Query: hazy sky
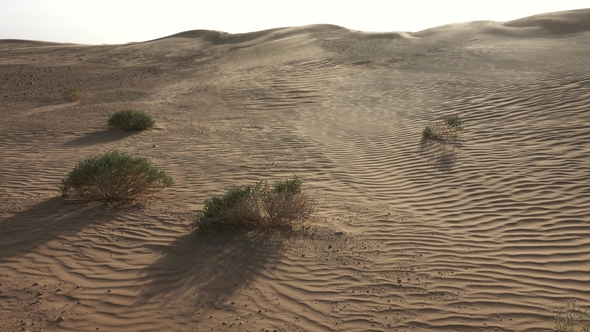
122	21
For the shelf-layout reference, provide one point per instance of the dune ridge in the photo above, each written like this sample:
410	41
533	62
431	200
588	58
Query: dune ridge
485	233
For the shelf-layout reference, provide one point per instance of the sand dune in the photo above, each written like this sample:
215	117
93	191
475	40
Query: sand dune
488	233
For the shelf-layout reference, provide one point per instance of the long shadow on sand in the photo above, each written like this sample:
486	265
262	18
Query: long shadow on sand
27	230
212	266
442	153
100	137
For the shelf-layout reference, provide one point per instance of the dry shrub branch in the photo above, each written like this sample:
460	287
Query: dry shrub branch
448	129
258	206
72	94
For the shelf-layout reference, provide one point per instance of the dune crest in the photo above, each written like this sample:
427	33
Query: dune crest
558	23
219	37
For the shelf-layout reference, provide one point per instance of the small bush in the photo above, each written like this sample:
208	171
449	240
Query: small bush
572	317
72	94
113	176
216	207
130	119
449	128
291	187
428	132
453	122
257	206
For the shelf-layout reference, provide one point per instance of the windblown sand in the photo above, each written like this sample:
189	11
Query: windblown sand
491	233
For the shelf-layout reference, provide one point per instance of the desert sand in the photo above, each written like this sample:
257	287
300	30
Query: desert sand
489	233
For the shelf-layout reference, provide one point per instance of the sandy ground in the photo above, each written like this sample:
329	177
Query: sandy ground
491	233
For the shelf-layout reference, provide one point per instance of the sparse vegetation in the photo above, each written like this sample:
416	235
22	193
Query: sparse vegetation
453	121
284	203
428	131
570	317
449	128
72	94
130	119
113	176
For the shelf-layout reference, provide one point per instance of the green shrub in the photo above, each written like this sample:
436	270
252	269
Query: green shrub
453	122
72	94
257	206
449	128
428	132
215	206
292	187
130	119
572	317
113	176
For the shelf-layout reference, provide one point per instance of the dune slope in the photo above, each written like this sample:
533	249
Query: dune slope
486	233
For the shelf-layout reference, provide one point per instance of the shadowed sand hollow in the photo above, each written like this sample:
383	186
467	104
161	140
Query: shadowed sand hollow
488	233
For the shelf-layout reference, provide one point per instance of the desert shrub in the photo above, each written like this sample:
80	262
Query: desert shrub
449	128
292	187
566	321
216	207
72	94
257	206
428	132
113	176
453	122
130	119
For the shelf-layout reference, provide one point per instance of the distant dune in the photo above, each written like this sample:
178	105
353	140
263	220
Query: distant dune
488	232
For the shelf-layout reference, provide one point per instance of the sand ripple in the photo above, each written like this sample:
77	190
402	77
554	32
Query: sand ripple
488	232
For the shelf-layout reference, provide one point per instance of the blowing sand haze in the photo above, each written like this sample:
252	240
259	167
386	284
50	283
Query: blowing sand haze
490	232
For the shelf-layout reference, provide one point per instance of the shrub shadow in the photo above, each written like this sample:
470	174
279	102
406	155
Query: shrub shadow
100	137
440	152
27	230
214	265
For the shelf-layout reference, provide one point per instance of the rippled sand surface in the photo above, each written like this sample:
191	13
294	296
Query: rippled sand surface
490	232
